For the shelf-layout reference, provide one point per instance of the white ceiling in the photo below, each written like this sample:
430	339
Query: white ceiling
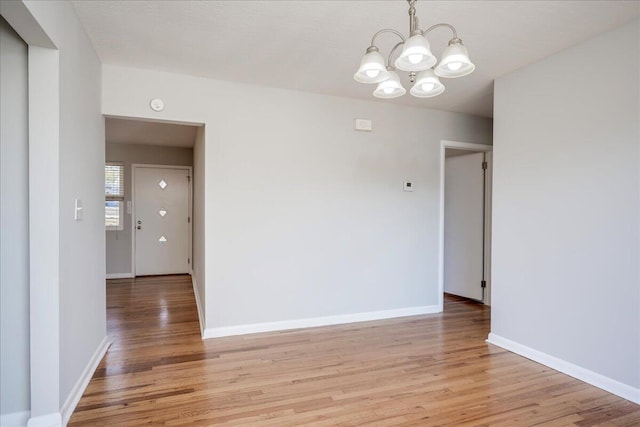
125	131
316	46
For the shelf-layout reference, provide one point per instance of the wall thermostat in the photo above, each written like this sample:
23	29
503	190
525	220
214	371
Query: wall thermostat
363	125
157	104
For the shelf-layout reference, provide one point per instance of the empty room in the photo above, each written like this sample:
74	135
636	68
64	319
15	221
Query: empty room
319	213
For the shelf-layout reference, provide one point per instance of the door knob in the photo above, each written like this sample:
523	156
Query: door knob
139	227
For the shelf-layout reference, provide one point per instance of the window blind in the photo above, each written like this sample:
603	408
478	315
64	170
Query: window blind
114	181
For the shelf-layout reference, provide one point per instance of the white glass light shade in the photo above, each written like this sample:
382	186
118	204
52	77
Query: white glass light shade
390	88
455	62
427	85
372	68
416	54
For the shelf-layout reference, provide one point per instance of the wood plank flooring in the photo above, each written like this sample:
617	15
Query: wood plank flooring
414	371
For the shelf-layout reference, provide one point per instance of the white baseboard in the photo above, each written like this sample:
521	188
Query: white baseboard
121	276
49	420
15	419
226	331
78	389
198	304
605	383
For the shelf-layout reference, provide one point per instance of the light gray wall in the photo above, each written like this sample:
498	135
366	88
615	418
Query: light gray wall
199	219
14	223
80	253
118	260
306	217
566	207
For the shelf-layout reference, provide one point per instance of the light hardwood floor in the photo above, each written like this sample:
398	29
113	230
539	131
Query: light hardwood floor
413	371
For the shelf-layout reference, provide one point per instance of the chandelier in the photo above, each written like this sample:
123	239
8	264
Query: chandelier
415	58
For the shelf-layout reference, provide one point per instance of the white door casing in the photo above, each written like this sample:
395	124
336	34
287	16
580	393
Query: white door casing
464	225
467	146
161	223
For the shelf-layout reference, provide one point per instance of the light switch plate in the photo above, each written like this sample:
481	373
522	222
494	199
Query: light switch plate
77	209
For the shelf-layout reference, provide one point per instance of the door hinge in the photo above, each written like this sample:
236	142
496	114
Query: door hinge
189	219
188	178
484	166
188	260
483	283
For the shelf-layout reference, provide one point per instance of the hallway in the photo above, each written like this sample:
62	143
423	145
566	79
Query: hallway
420	371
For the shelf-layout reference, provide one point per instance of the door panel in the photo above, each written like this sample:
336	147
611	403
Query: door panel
161	202
463	225
14	221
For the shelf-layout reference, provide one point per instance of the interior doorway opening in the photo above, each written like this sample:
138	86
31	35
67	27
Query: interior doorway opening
177	150
139	147
465	226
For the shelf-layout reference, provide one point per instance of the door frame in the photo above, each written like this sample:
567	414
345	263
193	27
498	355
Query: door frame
478	148
189	169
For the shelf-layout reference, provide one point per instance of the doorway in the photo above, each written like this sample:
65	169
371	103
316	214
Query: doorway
132	144
159	188
465	226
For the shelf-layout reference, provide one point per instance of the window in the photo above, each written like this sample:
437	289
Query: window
114	196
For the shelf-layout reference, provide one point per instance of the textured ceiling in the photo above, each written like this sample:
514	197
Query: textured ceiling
315	46
125	131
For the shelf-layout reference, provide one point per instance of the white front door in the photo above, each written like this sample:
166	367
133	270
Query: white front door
161	223
464	225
